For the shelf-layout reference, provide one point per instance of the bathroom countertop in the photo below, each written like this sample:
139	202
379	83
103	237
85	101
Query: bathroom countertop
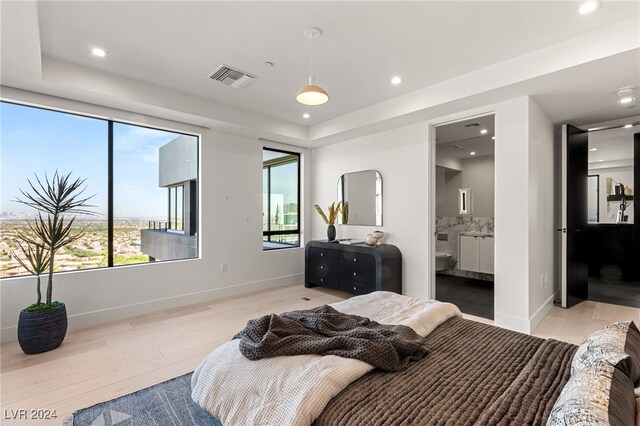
477	234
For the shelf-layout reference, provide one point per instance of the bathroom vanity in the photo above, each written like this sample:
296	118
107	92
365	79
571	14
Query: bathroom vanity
476	252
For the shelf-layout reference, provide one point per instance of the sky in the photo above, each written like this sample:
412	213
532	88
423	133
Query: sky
40	141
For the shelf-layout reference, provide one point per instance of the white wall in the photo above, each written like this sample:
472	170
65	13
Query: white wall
447	184
400	155
231	185
511	215
478	174
523	209
541	214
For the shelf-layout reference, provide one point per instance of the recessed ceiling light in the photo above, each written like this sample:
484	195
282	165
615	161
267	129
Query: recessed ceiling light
628	126
593	149
396	80
625	95
483	131
306	115
493	138
588	7
600	161
100	53
268	64
472	153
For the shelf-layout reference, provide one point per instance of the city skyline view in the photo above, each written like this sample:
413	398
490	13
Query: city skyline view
40	142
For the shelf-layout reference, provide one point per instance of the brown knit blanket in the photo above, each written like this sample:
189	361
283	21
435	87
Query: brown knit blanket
325	331
475	374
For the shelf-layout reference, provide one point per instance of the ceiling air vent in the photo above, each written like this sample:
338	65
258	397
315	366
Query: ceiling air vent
232	76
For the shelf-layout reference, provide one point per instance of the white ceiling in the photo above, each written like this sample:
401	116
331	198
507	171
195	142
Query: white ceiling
176	45
454	56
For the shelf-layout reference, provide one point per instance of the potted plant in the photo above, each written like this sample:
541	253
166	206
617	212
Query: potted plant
43	326
330	220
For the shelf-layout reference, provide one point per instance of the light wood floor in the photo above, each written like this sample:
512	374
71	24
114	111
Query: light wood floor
110	360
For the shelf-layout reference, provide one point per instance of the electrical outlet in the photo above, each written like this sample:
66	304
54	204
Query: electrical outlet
223	267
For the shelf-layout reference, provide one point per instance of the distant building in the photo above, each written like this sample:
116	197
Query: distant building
178	172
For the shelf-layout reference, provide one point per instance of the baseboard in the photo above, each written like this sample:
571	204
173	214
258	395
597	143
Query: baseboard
542	311
87	319
524	325
512	323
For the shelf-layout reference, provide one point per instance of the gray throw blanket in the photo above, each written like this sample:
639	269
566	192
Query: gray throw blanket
325	331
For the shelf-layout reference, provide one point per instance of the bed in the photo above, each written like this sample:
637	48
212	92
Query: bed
474	374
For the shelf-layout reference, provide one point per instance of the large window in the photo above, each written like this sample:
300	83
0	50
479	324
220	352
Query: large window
129	169
280	199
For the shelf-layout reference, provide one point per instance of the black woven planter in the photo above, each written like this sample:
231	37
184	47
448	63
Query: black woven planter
42	331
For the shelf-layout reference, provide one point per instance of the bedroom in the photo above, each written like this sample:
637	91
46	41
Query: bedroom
387	128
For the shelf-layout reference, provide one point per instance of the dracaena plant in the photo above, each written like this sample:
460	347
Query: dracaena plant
57	201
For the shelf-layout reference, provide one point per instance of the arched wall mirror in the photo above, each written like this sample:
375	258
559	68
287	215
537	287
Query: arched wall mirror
361	196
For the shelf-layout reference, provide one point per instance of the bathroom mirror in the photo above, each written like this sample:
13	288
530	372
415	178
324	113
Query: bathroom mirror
611	176
361	193
464	201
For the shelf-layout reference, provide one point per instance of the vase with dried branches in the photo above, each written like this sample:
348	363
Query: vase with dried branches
330	219
43	326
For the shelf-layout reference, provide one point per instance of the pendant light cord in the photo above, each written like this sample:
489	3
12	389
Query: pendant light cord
312	63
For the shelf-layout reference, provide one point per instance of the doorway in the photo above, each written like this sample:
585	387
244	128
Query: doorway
600	230
464	215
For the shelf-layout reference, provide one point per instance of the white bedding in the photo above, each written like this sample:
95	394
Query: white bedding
293	390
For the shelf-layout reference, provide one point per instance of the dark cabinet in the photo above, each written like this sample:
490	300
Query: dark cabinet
357	269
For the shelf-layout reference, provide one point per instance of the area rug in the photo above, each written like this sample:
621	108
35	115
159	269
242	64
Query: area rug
167	403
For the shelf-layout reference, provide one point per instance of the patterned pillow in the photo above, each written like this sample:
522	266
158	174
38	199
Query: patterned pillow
596	395
617	344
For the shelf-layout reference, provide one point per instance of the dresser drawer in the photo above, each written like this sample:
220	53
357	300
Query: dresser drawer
360	260
350	272
357	287
322	267
317	254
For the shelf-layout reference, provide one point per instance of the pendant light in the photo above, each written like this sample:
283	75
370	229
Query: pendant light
312	94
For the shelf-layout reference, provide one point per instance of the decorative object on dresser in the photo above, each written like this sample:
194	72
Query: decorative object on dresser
330	220
356	268
375	238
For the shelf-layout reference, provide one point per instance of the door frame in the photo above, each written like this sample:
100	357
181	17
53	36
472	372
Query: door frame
431	186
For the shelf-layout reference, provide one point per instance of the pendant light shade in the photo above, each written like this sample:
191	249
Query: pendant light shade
312	94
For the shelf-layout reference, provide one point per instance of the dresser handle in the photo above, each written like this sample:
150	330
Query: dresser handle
321	267
321	254
355	259
321	280
354	287
354	274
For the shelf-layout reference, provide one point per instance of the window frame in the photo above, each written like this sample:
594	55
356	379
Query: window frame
269	233
110	180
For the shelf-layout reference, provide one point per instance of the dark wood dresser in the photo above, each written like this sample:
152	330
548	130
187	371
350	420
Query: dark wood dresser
357	268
